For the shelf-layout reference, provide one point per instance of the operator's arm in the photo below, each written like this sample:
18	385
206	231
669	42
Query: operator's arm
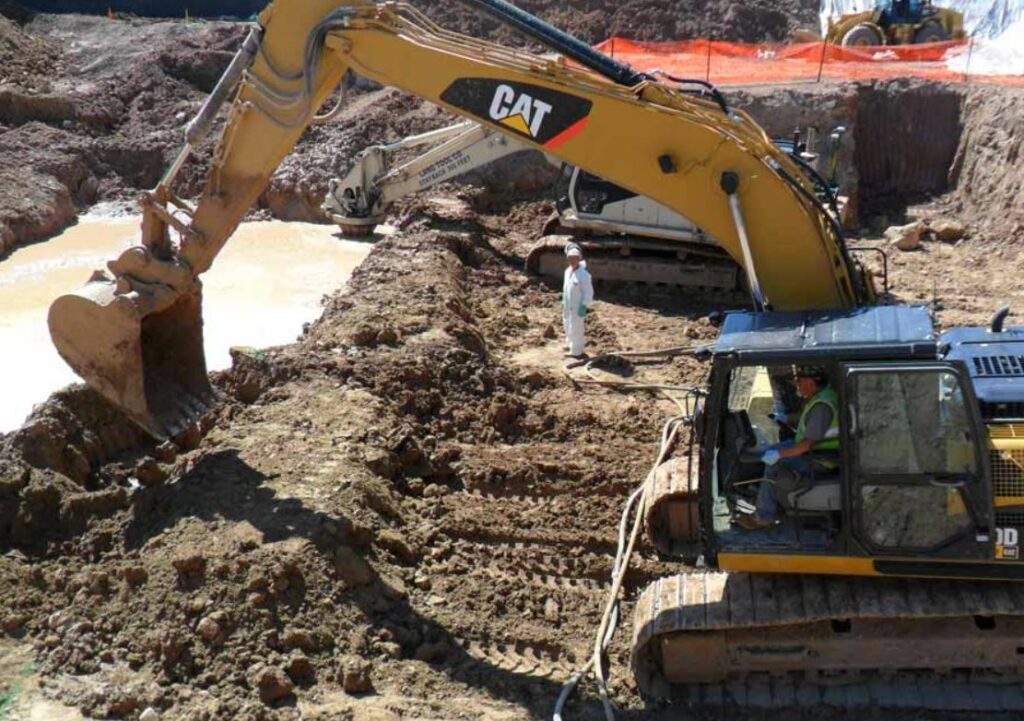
797	449
819	418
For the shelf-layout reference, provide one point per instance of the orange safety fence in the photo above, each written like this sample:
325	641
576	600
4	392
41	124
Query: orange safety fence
728	63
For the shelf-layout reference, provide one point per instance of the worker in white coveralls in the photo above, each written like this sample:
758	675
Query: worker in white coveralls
577	297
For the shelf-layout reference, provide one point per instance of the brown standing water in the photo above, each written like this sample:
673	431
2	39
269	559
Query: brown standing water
266	283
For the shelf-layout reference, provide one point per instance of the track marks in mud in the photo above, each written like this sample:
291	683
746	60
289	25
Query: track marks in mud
518	657
520	564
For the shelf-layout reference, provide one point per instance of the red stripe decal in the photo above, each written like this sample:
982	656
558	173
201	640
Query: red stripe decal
568	134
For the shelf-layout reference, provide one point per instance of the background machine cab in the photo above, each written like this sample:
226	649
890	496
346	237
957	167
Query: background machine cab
912	487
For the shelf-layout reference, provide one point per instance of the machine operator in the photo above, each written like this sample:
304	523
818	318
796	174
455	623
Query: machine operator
791	464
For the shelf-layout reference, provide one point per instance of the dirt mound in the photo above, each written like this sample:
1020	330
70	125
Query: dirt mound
26	60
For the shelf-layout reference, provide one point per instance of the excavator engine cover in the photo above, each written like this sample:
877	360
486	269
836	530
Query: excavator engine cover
151	365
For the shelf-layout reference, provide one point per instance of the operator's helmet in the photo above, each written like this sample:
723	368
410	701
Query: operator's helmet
816	372
573	249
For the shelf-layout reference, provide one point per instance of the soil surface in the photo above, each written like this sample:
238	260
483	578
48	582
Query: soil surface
413	503
412	512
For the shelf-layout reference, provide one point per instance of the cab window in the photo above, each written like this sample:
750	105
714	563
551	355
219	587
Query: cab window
913	422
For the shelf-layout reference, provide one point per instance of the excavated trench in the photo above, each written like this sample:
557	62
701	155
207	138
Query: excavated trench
905	139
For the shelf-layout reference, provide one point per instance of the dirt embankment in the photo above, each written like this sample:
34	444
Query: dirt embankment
988	168
952	150
93	109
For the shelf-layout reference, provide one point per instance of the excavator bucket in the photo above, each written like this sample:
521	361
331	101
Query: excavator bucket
149	364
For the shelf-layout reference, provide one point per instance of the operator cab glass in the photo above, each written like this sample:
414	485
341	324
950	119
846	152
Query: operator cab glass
900	476
915	458
809	514
907	477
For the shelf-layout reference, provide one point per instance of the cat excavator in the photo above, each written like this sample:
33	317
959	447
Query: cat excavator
626	237
890	576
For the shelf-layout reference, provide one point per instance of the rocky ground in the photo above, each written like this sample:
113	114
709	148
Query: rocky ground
411	512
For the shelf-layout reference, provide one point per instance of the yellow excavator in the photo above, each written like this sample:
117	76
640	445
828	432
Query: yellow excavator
929	480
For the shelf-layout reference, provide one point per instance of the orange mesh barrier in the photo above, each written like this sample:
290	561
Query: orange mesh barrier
727	63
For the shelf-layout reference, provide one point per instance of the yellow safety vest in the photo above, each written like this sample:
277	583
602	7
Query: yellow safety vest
830	398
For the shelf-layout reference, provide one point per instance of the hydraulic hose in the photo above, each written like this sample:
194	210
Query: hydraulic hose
664	388
200	125
634	509
550	36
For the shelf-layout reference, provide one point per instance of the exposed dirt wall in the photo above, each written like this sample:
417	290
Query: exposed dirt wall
988	168
906	135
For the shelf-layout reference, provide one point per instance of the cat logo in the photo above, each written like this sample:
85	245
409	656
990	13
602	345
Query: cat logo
539	114
522	113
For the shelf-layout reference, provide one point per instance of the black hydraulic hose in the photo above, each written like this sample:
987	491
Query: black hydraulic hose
562	42
816	178
832	221
710	88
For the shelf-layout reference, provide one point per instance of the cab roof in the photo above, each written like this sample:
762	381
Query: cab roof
875	333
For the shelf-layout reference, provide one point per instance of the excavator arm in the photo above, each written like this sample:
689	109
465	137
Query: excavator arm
135	332
358	201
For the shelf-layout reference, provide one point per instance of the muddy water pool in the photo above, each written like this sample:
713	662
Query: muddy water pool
267	282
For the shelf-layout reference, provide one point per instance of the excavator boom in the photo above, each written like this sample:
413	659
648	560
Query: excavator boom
135	332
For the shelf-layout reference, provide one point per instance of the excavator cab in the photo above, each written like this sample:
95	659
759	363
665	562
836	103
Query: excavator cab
909	479
925	493
927	486
909	475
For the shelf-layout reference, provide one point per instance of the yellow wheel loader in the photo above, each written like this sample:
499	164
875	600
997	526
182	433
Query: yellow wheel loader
897	22
894	566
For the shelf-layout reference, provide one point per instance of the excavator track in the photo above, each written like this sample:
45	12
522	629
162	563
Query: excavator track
775	640
646	262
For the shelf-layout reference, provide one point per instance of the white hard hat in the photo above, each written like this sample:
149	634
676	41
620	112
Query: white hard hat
573	249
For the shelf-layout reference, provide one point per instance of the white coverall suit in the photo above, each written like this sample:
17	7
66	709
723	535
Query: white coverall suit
577	297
